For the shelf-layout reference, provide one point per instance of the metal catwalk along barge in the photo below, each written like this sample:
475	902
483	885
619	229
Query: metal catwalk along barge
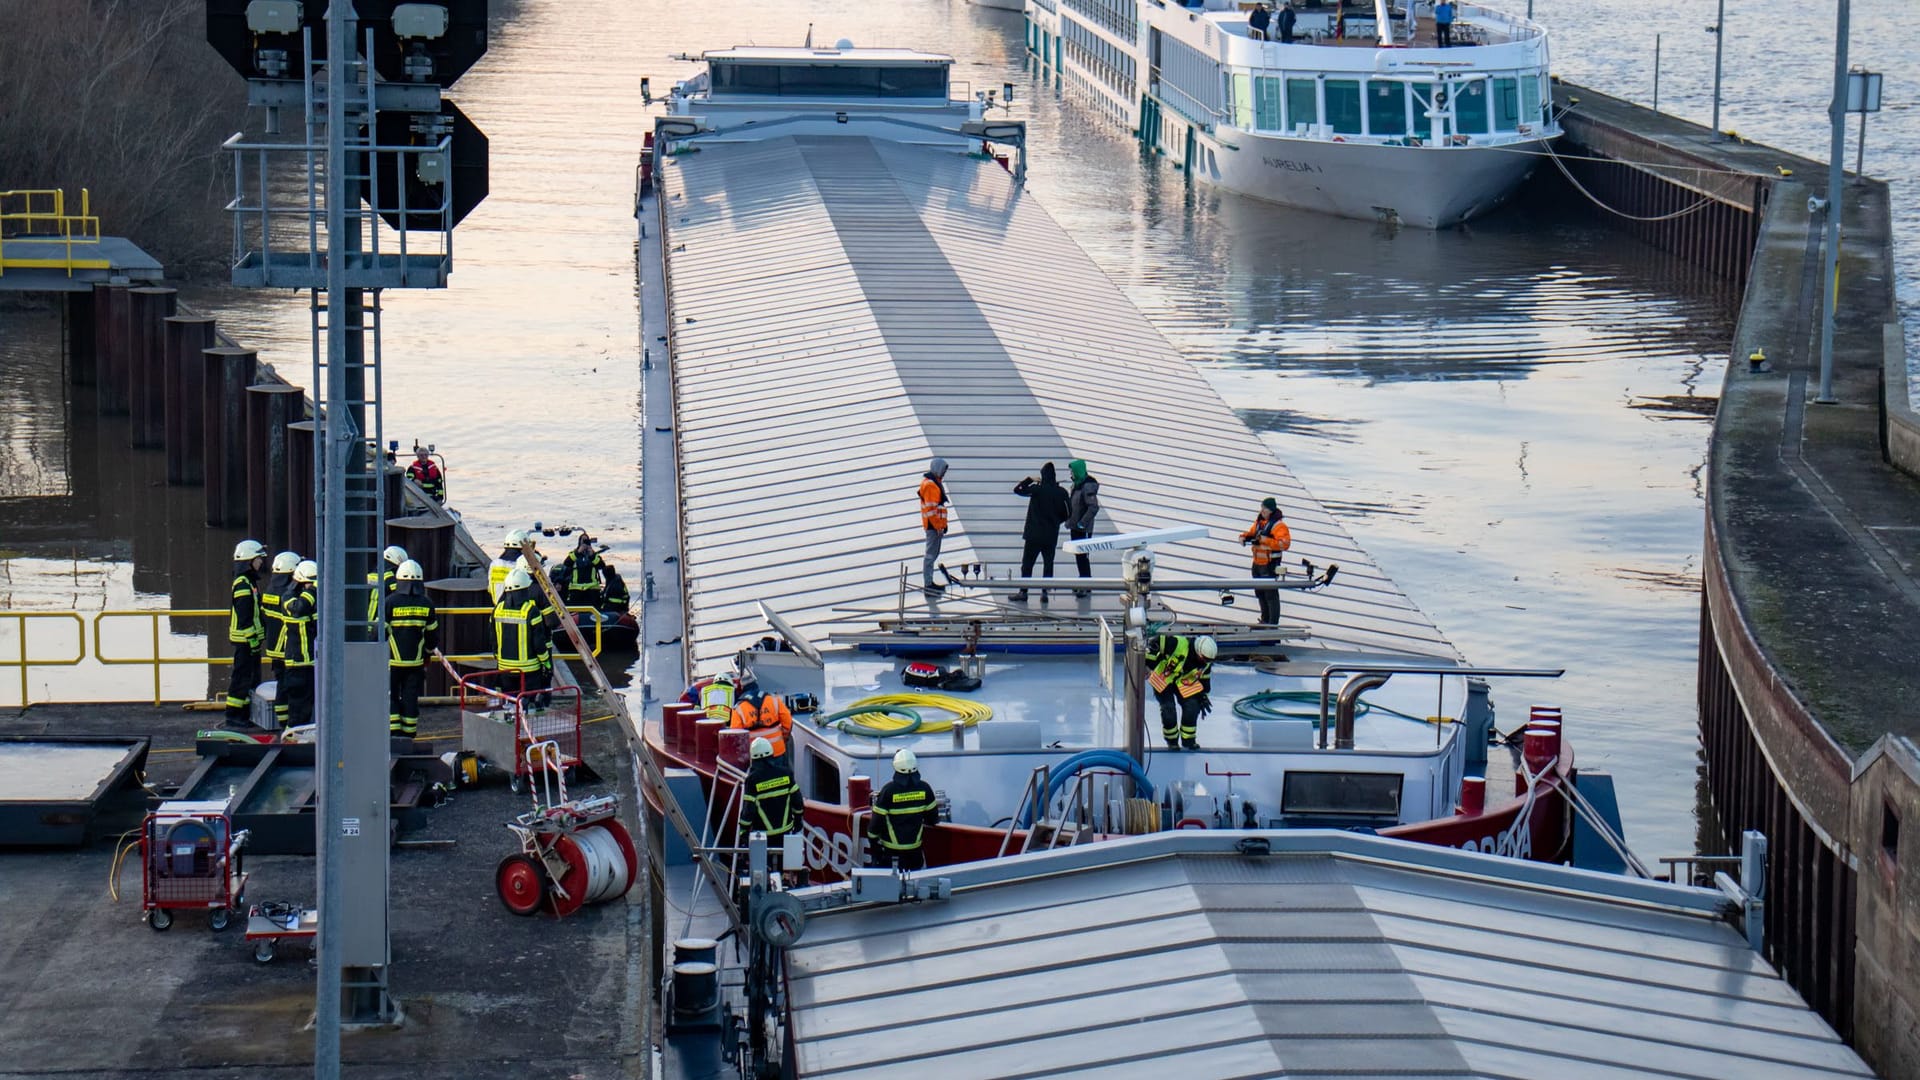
853	282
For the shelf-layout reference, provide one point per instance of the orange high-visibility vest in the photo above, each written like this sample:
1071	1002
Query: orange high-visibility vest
1270	538
933	511
770	720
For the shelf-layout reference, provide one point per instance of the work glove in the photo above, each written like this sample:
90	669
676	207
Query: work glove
1206	704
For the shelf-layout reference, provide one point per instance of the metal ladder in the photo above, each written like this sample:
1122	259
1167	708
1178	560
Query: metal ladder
366	514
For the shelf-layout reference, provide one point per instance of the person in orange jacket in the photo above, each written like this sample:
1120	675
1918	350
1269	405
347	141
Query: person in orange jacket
768	718
1269	538
933	518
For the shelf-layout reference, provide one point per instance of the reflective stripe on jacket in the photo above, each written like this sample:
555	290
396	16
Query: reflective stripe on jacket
273	602
520	640
770	720
243	617
902	812
716	700
413	628
297	626
770	802
383	586
1270	537
1176	663
933	504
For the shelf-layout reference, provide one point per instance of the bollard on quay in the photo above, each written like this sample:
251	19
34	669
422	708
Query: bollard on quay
270	408
223	407
149	308
185	376
428	539
299	486
110	349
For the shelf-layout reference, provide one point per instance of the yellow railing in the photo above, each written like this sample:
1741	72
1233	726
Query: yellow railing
41	215
158	662
24	660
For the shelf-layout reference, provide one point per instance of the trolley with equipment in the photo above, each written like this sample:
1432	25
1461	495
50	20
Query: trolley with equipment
573	852
499	722
190	859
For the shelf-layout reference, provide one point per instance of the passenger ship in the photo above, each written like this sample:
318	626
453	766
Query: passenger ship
840	237
1362	116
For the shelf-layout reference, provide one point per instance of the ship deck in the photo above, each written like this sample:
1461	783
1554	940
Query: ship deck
840	310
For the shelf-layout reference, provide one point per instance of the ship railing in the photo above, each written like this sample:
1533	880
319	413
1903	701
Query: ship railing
1694	869
1182	102
1363	677
1029	797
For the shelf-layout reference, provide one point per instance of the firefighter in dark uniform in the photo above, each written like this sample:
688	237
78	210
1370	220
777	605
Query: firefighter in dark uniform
383	582
902	813
771	802
579	576
273	601
413	631
1180	671
615	601
245	630
523	635
299	620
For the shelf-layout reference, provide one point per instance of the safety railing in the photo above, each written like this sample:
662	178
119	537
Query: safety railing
24	658
41	215
93	644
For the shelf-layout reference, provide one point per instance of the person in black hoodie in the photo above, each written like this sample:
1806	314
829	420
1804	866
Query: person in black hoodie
1046	512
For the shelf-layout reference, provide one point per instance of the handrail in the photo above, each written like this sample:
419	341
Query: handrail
24	661
1327	673
153	617
70	229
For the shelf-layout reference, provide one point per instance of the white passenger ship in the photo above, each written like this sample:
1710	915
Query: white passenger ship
1362	116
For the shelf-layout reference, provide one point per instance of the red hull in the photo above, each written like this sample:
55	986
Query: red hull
833	848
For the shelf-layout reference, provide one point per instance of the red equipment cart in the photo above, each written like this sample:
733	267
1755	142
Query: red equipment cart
190	860
573	852
499	722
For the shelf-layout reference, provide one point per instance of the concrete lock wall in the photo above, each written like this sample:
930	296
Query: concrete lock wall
1886	813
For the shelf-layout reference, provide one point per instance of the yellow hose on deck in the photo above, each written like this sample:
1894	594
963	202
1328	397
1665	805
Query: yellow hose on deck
963	712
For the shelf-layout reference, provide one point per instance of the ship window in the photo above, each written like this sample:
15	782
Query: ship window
1266	104
830	80
1470	109
1303	102
823	778
1242	92
1506	103
1386	107
1422	98
1339	794
1343	106
1530	99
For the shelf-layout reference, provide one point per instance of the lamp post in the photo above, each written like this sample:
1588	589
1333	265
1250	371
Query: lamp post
1719	32
1836	175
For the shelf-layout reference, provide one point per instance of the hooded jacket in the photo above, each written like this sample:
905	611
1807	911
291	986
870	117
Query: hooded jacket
1046	507
1083	505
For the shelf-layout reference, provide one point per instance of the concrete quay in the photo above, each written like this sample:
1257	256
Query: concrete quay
1810	622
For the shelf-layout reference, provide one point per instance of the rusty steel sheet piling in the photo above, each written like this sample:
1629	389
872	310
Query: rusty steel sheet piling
460	635
148	309
184	374
228	372
270	408
80	333
110	339
299	485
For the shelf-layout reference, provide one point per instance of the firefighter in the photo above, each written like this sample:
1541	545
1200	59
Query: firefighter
245	630
771	801
716	698
902	813
614	598
1181	671
413	631
273	600
511	555
580	573
298	622
381	585
523	623
768	718
1269	538
427	474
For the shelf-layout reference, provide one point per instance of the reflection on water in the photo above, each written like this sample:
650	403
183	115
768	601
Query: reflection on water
1469	400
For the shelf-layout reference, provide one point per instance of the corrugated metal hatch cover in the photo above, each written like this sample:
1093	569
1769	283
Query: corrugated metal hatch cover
846	308
1294	965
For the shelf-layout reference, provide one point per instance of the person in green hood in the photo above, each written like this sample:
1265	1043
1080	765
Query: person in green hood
1083	506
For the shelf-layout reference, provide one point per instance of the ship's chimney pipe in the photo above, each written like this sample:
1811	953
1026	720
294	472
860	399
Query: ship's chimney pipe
1343	707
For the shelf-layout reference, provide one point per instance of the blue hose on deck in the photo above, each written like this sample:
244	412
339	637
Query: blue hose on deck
1089	759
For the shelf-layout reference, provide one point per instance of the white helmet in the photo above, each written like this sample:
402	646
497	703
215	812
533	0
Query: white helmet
285	562
307	572
515	538
248	550
905	761
395	555
410	571
518	578
760	748
1207	647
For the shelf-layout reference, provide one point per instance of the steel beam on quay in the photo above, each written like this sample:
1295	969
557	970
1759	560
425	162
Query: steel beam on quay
184	374
148	309
228	373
